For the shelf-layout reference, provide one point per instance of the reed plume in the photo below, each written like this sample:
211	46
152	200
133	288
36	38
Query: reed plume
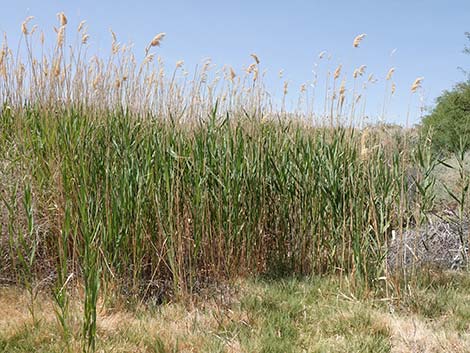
358	40
416	84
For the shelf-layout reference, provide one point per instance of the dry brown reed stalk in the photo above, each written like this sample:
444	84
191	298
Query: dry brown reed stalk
364	151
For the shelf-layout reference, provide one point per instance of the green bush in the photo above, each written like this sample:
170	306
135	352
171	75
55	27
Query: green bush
449	122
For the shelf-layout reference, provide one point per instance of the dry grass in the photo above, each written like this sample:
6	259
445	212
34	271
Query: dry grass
264	316
415	334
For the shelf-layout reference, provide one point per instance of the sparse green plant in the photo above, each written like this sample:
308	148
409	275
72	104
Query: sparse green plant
461	196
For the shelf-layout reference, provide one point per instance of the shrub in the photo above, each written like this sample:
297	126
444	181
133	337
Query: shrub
449	122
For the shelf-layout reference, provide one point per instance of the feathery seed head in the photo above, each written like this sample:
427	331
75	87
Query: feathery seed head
60	36
113	35
62	18
57	69
358	40
359	71
254	56
337	71
24	25
81	26
156	41
390	73
232	74
251	68
85	38
342	88
416	84
148	59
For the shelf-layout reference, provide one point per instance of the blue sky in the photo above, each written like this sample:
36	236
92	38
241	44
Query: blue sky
428	35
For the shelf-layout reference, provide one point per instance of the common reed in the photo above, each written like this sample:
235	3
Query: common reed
158	184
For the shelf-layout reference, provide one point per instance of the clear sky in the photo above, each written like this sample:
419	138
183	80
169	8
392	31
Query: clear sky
428	36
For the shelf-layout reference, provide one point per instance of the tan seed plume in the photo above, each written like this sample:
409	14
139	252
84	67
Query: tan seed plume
254	56
156	41
60	36
371	79
113	35
416	84
251	68
24	25
81	25
337	71
62	18
390	73
2	56
362	69
232	74
358	40
342	88
85	38
359	71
